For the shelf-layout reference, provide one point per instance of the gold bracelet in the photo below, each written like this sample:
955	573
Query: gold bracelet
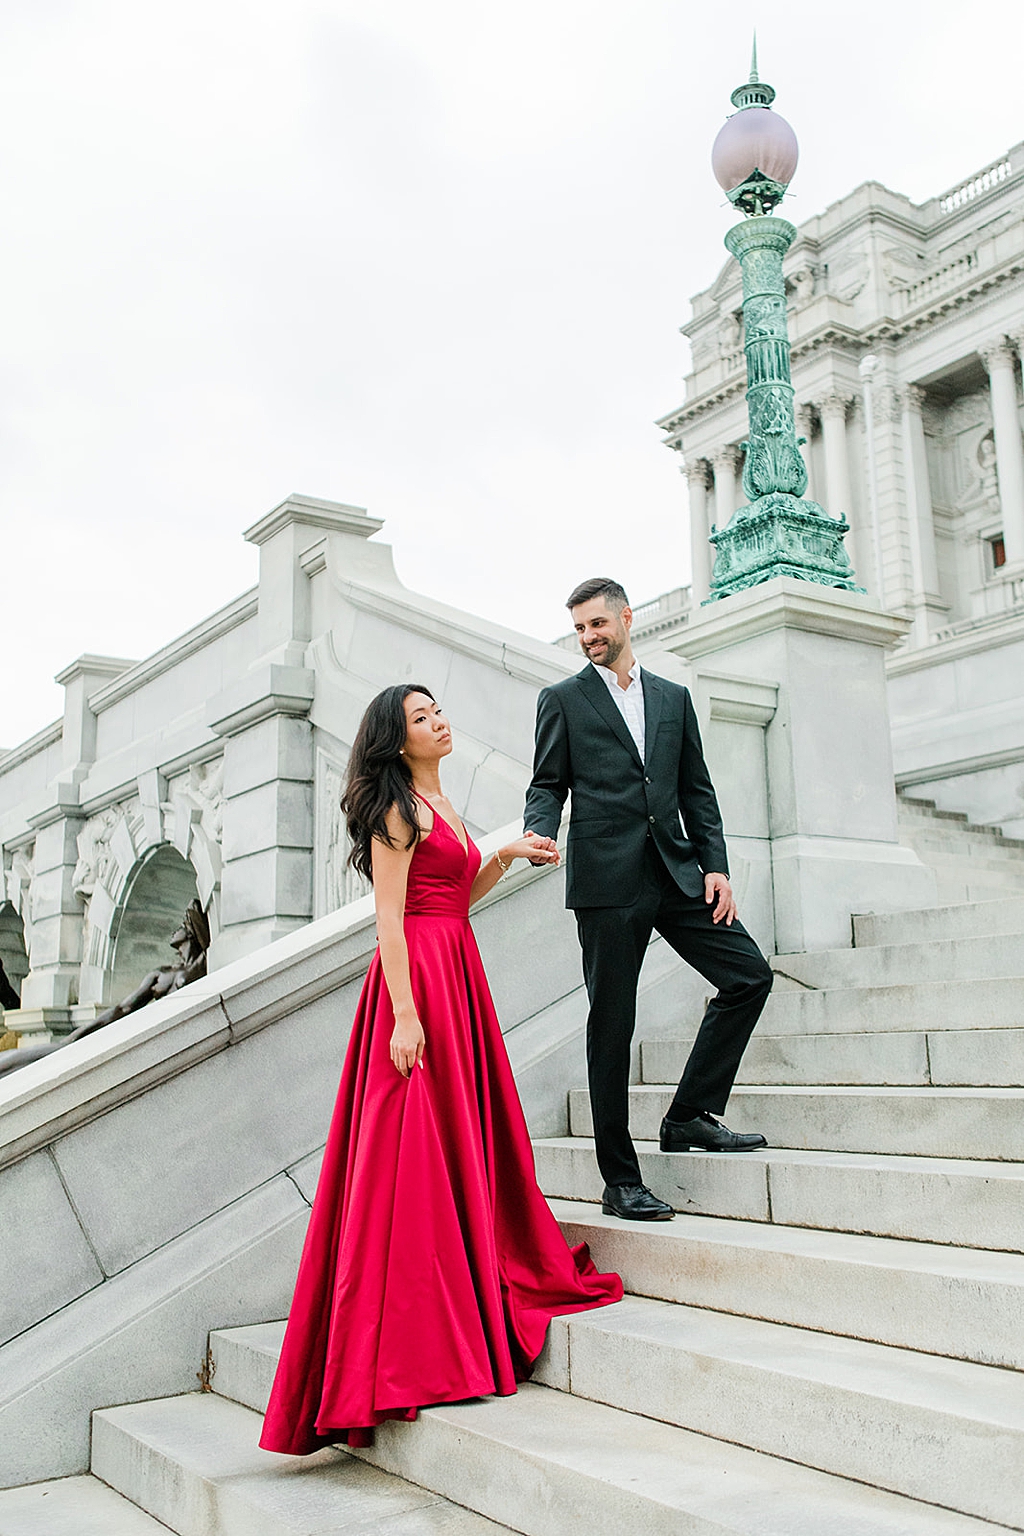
502	866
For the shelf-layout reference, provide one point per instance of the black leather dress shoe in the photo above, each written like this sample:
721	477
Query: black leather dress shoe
705	1134
634	1202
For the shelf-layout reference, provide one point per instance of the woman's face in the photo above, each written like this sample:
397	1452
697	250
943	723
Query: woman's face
428	735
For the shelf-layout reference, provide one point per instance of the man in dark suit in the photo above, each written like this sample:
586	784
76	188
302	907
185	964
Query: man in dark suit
627	746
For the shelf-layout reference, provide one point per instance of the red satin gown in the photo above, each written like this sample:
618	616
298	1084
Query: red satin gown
432	1264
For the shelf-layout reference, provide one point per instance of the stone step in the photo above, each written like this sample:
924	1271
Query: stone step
976	1123
961	920
959	881
553	1464
937	1430
972	959
913	814
982	1058
923	1199
194	1463
73	1506
963	1303
996	1003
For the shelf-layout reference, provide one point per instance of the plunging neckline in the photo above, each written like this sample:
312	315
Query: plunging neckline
438	817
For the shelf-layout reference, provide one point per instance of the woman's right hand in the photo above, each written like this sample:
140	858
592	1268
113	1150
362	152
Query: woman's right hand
407	1043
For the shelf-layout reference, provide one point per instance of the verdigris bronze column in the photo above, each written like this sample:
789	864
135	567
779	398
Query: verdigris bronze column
779	532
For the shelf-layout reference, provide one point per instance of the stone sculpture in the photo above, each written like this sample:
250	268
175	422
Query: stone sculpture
191	941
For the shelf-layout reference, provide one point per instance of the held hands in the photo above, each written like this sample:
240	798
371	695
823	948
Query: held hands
407	1043
725	905
539	850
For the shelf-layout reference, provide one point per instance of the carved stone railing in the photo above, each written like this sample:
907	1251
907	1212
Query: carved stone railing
982	181
934	284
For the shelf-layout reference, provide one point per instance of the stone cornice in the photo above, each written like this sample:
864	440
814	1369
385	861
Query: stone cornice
47	737
94	666
999	630
311	512
787	603
459	632
268	690
193	640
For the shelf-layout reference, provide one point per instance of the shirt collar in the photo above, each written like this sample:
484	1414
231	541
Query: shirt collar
611	680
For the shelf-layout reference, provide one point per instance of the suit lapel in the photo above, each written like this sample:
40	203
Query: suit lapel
653	696
596	691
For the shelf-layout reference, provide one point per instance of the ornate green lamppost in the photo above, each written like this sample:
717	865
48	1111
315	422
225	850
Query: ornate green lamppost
779	533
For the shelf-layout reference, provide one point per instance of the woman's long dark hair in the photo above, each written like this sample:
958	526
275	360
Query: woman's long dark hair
378	777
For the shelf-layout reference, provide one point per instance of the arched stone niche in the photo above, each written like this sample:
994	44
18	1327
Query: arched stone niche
155	896
13	955
179	825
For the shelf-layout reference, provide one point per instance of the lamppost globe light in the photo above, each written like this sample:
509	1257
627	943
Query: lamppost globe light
755	139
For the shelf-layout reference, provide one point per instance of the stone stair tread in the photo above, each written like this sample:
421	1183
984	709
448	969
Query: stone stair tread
973	1265
564	1466
841	1405
979	957
963	1303
948	920
990	1002
554	1464
194	1460
73	1506
990	1058
975	1123
950	1201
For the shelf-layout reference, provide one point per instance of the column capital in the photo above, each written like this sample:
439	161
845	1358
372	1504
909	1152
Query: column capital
728	457
696	472
833	406
997	352
912	398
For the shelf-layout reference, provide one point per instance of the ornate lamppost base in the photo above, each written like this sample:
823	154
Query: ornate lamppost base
780	535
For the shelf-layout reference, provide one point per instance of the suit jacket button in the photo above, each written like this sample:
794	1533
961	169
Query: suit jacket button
647	781
652	818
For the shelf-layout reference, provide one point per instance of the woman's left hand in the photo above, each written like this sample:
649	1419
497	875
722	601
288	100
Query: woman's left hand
539	850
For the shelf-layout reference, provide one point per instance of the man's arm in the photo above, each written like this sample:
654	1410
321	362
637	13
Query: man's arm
697	799
550	783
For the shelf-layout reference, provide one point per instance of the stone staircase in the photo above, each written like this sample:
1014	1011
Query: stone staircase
971	863
827	1338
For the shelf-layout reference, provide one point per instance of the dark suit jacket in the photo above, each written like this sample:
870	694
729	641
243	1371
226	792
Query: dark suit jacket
583	745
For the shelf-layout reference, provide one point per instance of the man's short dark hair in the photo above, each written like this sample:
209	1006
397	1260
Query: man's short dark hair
613	593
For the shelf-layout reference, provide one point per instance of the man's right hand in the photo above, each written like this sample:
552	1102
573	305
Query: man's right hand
545	846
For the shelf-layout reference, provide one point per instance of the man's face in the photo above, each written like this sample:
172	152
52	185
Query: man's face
602	633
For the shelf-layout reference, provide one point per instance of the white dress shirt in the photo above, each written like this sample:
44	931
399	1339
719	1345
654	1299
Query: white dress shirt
629	701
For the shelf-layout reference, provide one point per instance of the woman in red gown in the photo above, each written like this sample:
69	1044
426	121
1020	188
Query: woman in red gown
432	1264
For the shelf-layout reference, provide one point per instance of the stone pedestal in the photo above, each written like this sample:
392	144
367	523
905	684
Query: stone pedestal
831	791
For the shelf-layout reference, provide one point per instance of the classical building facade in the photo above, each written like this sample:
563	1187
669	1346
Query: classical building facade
907	328
212	769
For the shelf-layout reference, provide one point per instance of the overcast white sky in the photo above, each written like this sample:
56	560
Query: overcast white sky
426	256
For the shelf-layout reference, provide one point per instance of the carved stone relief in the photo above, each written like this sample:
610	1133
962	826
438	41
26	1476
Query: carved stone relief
847	275
336	882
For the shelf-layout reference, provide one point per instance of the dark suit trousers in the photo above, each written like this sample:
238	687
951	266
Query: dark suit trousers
614	941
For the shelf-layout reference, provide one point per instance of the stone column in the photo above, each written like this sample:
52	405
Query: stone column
920	523
805	417
832	409
267	871
998	358
50	991
726	462
700	550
